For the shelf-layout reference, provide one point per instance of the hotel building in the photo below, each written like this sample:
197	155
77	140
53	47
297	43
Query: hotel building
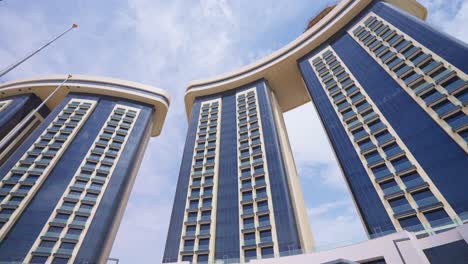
67	176
391	93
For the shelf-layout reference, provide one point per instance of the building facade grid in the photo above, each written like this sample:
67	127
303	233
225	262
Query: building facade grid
436	85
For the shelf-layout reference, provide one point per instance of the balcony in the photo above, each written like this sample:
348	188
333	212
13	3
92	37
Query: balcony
354	124
401	72
412	78
360	136
42	251
247	199
428	203
264	224
203	247
266	240
392	191
455	86
188	249
393	152
91	200
383	139
434	98
375	128
403	167
415	184
403	210
343	106
205	218
444	75
382	175
395	63
263	209
423	88
59	222
363	107
250	242
374	160
51	236
459	123
204	232
84	211
418	60
261	196
367	147
348	115
64	252
71	238
411	52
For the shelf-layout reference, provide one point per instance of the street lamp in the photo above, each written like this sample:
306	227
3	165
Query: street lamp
11	67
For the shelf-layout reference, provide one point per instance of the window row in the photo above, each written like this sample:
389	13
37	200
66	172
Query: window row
433	81
75	210
21	179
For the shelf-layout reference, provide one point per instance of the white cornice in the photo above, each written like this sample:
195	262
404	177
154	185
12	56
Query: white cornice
43	86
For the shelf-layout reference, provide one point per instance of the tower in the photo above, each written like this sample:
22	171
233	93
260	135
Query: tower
65	187
238	196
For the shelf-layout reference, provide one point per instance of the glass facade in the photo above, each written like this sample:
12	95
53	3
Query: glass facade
391	98
247	164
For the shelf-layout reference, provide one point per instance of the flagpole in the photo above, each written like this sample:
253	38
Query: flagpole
11	67
22	124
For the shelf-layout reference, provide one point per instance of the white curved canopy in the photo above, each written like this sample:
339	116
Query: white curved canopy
281	69
43	86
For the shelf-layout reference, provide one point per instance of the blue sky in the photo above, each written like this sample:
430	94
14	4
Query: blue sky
168	43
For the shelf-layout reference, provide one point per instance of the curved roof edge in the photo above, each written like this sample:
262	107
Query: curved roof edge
44	85
280	67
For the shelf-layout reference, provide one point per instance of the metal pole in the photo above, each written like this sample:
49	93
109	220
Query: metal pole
23	122
11	67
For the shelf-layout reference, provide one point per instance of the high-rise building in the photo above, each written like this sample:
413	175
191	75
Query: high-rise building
238	195
392	95
64	188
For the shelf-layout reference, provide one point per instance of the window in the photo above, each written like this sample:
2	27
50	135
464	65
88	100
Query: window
189	243
250	254
267	252
54	229
47	244
411	223
188	258
438	218
67	245
202	258
249	236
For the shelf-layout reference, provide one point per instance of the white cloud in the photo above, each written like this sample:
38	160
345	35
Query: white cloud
449	16
325	208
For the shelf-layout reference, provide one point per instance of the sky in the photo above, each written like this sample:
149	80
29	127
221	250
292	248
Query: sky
167	44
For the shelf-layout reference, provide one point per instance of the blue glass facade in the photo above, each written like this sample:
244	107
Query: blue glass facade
437	153
228	243
21	237
18	108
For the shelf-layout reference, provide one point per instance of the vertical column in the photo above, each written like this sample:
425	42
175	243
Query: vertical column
61	238
197	241
403	186
257	228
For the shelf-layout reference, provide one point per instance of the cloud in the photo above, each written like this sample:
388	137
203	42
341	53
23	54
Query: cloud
325	208
449	16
